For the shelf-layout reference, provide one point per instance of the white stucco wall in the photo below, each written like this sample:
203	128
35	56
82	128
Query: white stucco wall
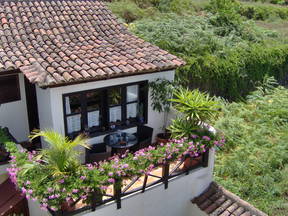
174	201
50	102
14	115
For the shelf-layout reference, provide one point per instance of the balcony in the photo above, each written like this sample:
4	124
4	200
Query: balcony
167	190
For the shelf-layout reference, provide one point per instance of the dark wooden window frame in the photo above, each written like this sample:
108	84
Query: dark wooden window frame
15	88
104	109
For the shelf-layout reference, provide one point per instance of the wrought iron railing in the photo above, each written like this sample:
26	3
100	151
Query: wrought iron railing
167	172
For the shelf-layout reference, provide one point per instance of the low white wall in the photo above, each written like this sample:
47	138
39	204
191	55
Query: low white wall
50	102
14	115
174	201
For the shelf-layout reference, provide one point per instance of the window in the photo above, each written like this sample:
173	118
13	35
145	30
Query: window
115	105
73	112
107	109
9	88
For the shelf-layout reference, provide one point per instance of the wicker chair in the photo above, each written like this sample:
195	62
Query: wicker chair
97	153
144	135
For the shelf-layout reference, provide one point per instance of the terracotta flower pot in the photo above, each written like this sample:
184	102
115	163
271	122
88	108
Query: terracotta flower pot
189	162
163	138
68	205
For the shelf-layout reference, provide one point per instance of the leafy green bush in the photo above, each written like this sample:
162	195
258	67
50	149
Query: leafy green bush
254	163
263	12
226	65
129	11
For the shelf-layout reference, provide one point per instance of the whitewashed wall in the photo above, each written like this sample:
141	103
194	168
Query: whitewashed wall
14	115
50	102
175	201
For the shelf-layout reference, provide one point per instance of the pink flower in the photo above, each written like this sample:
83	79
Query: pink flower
83	196
61	181
75	191
206	138
30	191
103	187
44	206
110	174
28	182
125	166
194	136
111	180
53	208
83	177
23	190
50	189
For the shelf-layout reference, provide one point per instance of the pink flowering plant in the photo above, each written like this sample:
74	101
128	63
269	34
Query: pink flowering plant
41	180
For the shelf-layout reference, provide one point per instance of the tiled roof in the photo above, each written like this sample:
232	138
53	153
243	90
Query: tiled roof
217	201
64	41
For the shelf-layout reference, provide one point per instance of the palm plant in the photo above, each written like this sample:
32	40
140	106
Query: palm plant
161	93
60	158
195	108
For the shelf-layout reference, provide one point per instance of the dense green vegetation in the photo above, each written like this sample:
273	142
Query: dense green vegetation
225	53
254	163
263	11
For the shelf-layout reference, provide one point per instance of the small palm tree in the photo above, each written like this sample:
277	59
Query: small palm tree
62	157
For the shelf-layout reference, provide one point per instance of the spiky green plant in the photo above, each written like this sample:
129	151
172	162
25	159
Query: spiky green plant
196	106
61	158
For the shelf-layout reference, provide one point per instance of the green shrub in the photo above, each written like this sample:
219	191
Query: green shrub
226	65
129	11
263	12
254	163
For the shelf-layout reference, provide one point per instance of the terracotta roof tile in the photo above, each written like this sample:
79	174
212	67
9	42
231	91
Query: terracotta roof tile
55	42
216	201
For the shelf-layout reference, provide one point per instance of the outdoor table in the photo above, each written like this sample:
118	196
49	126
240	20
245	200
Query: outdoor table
120	141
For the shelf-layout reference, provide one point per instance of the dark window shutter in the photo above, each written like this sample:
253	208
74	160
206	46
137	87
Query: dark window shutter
9	88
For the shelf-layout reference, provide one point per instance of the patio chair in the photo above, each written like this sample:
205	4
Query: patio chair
144	135
97	153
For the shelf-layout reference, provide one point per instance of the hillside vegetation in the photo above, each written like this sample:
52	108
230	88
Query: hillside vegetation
226	53
254	163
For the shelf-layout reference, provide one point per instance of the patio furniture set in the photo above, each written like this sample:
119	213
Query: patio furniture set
118	143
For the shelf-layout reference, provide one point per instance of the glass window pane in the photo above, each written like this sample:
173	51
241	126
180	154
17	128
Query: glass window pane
93	100
93	119
73	104
132	93
73	123
114	96
115	114
132	110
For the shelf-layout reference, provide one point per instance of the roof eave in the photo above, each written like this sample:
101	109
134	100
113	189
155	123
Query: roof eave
107	77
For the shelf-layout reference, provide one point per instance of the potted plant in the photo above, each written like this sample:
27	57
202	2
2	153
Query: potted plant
161	93
195	109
